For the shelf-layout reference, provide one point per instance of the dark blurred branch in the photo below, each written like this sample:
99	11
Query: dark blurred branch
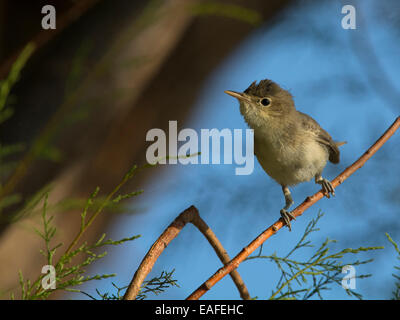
40	39
189	215
234	263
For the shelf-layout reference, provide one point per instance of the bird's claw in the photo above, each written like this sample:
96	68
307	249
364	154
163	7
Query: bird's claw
327	188
287	216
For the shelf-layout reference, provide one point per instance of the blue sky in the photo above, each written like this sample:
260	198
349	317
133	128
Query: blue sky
308	53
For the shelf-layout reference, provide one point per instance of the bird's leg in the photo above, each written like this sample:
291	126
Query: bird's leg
286	215
327	186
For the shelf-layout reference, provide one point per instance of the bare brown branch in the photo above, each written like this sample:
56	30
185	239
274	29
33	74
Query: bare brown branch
308	202
189	215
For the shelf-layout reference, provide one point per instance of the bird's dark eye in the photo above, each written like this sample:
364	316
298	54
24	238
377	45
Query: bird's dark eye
265	102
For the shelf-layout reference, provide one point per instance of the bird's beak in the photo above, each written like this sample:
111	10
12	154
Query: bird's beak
238	95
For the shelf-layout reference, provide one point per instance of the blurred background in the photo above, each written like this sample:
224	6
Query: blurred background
112	70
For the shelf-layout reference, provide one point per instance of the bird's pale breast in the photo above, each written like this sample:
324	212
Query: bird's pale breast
289	163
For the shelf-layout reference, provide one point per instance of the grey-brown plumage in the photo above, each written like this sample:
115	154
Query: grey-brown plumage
323	137
290	145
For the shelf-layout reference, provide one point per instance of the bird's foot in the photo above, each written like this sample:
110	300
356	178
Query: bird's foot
327	187
287	216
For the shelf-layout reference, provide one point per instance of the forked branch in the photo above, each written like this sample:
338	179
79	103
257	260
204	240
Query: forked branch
189	215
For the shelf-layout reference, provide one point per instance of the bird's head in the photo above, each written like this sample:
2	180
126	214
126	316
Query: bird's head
265	101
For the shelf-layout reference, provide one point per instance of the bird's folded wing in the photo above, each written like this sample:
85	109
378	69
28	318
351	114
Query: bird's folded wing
322	137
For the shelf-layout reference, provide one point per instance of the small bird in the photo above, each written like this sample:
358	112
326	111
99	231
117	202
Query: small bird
290	146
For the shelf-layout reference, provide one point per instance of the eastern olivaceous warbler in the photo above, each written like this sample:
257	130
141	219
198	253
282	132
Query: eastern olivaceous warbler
290	145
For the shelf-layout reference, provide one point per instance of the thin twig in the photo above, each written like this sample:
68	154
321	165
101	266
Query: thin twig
308	202
85	225
189	215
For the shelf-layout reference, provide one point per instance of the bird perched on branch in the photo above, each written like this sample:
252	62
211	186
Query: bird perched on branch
290	146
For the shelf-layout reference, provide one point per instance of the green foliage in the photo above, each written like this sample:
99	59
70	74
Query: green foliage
155	286
70	273
9	201
309	278
11	170
30	205
7	84
228	10
396	292
5	113
69	113
69	270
